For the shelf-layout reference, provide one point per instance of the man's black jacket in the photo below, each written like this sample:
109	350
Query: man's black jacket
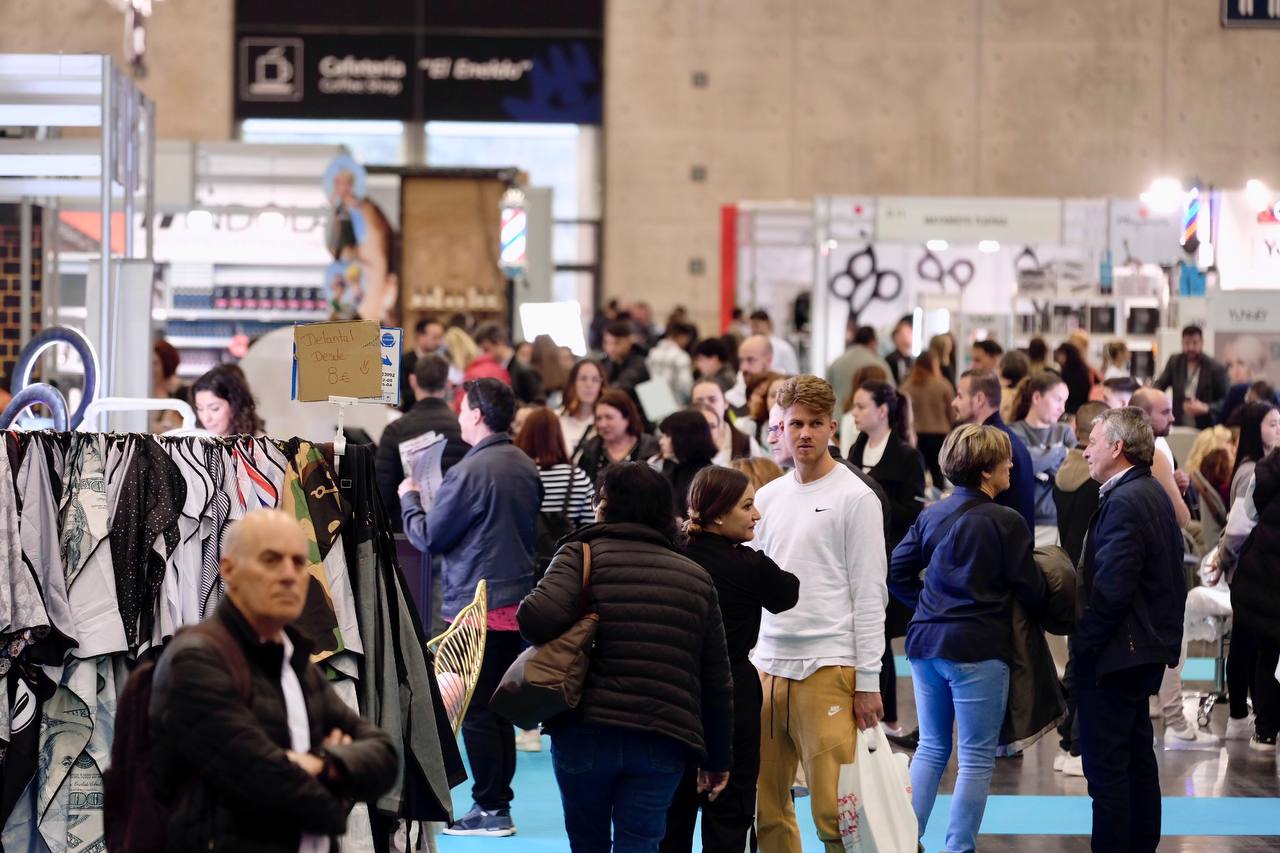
236	789
429	415
1134	588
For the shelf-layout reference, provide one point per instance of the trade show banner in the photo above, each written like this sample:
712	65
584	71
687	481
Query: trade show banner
420	60
969	220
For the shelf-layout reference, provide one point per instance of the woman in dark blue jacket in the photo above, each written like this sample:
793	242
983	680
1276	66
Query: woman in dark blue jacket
975	555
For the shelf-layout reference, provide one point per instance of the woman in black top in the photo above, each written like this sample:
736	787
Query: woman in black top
722	515
882	417
1075	372
687	447
620	435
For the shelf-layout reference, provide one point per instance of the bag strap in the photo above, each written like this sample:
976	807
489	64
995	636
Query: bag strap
584	600
943	529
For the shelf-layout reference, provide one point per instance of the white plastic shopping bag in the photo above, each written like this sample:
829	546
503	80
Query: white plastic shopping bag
874	799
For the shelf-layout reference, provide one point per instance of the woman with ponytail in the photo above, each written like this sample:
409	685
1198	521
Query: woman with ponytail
722	516
1038	406
885	451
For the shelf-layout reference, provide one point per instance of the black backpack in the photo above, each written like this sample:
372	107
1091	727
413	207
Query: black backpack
135	814
551	528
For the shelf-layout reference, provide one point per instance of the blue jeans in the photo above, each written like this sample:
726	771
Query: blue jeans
616	776
973	696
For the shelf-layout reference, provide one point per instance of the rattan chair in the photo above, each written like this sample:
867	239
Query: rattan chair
460	650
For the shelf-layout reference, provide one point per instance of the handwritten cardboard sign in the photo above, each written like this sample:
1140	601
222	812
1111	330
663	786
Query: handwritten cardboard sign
338	359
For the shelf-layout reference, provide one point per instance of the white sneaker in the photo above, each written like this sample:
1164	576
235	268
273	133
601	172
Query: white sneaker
1189	738
1059	760
1241	729
529	741
1072	765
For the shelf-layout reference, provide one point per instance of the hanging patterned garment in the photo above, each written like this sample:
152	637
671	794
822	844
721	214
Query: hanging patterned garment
152	492
21	606
220	513
311	496
182	591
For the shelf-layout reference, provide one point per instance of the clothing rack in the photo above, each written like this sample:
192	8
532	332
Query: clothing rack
92	587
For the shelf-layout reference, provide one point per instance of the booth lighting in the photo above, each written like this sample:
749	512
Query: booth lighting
199	220
988	247
936	245
1165	195
272	222
1257	195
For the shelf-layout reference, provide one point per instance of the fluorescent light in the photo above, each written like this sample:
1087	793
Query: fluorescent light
936	245
989	247
1165	195
1257	195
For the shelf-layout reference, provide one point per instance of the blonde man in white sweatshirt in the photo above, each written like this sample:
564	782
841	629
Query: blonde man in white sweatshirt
820	661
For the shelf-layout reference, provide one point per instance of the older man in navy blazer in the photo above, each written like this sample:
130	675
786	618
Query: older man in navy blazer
1128	631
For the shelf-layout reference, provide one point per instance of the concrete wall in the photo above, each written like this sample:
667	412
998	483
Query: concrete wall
942	97
189	53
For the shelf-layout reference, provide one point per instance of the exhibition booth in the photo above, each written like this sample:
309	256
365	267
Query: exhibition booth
1012	269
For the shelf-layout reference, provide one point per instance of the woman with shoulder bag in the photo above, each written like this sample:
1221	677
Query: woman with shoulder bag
658	692
976	557
723	516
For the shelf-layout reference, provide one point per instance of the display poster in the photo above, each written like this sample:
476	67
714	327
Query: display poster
421	60
338	360
968	220
1246	338
1142	236
389	342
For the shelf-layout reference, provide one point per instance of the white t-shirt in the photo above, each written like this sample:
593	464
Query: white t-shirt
830	534
873	453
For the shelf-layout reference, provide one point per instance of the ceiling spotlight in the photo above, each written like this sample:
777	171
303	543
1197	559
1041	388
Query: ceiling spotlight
988	247
1165	195
937	245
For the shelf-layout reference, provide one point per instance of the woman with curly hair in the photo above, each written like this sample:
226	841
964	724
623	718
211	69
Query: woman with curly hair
224	403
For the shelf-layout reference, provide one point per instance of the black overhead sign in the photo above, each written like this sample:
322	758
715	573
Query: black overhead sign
1251	13
420	60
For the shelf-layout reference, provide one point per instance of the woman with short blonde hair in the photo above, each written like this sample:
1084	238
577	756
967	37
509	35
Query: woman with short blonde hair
975	556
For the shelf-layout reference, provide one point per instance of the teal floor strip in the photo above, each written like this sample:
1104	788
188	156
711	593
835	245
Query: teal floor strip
1196	669
539	818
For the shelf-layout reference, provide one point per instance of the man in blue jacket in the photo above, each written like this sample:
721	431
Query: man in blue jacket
1129	629
483	522
978	402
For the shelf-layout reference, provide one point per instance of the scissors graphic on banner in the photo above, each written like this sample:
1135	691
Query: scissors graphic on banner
863	282
930	268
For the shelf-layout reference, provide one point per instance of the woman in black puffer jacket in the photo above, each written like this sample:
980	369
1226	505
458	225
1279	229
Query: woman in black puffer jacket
658	693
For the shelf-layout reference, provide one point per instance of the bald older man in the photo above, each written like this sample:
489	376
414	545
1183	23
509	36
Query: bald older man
267	755
755	358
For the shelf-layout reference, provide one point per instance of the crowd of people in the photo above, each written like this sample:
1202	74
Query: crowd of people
756	551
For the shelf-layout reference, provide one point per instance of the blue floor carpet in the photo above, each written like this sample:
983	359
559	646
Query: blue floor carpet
1196	669
539	819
